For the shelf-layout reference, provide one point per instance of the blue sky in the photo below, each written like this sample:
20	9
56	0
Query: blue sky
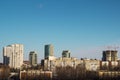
85	27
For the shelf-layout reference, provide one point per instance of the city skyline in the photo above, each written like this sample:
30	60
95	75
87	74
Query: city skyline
82	26
50	52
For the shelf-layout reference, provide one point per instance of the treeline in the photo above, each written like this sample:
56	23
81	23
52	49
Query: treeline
71	73
4	72
80	73
63	73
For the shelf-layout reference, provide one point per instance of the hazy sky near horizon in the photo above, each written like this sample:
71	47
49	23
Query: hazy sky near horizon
85	27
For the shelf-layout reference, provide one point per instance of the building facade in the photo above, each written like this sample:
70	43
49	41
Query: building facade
66	53
13	55
49	50
33	58
88	64
33	74
110	55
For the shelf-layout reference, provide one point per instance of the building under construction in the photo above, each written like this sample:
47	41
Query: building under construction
110	55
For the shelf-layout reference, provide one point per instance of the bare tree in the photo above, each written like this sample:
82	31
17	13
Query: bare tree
4	72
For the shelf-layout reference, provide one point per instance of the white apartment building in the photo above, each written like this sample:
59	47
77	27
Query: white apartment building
13	55
88	64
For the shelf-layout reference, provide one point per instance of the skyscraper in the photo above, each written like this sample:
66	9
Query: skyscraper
49	50
13	55
33	58
109	55
66	54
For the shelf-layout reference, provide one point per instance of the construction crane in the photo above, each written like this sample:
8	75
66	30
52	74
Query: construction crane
112	47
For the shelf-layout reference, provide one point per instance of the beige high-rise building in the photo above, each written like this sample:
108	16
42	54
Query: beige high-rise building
110	55
13	55
33	58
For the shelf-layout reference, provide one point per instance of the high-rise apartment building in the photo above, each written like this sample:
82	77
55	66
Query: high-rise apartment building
66	54
13	55
33	58
49	50
109	55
